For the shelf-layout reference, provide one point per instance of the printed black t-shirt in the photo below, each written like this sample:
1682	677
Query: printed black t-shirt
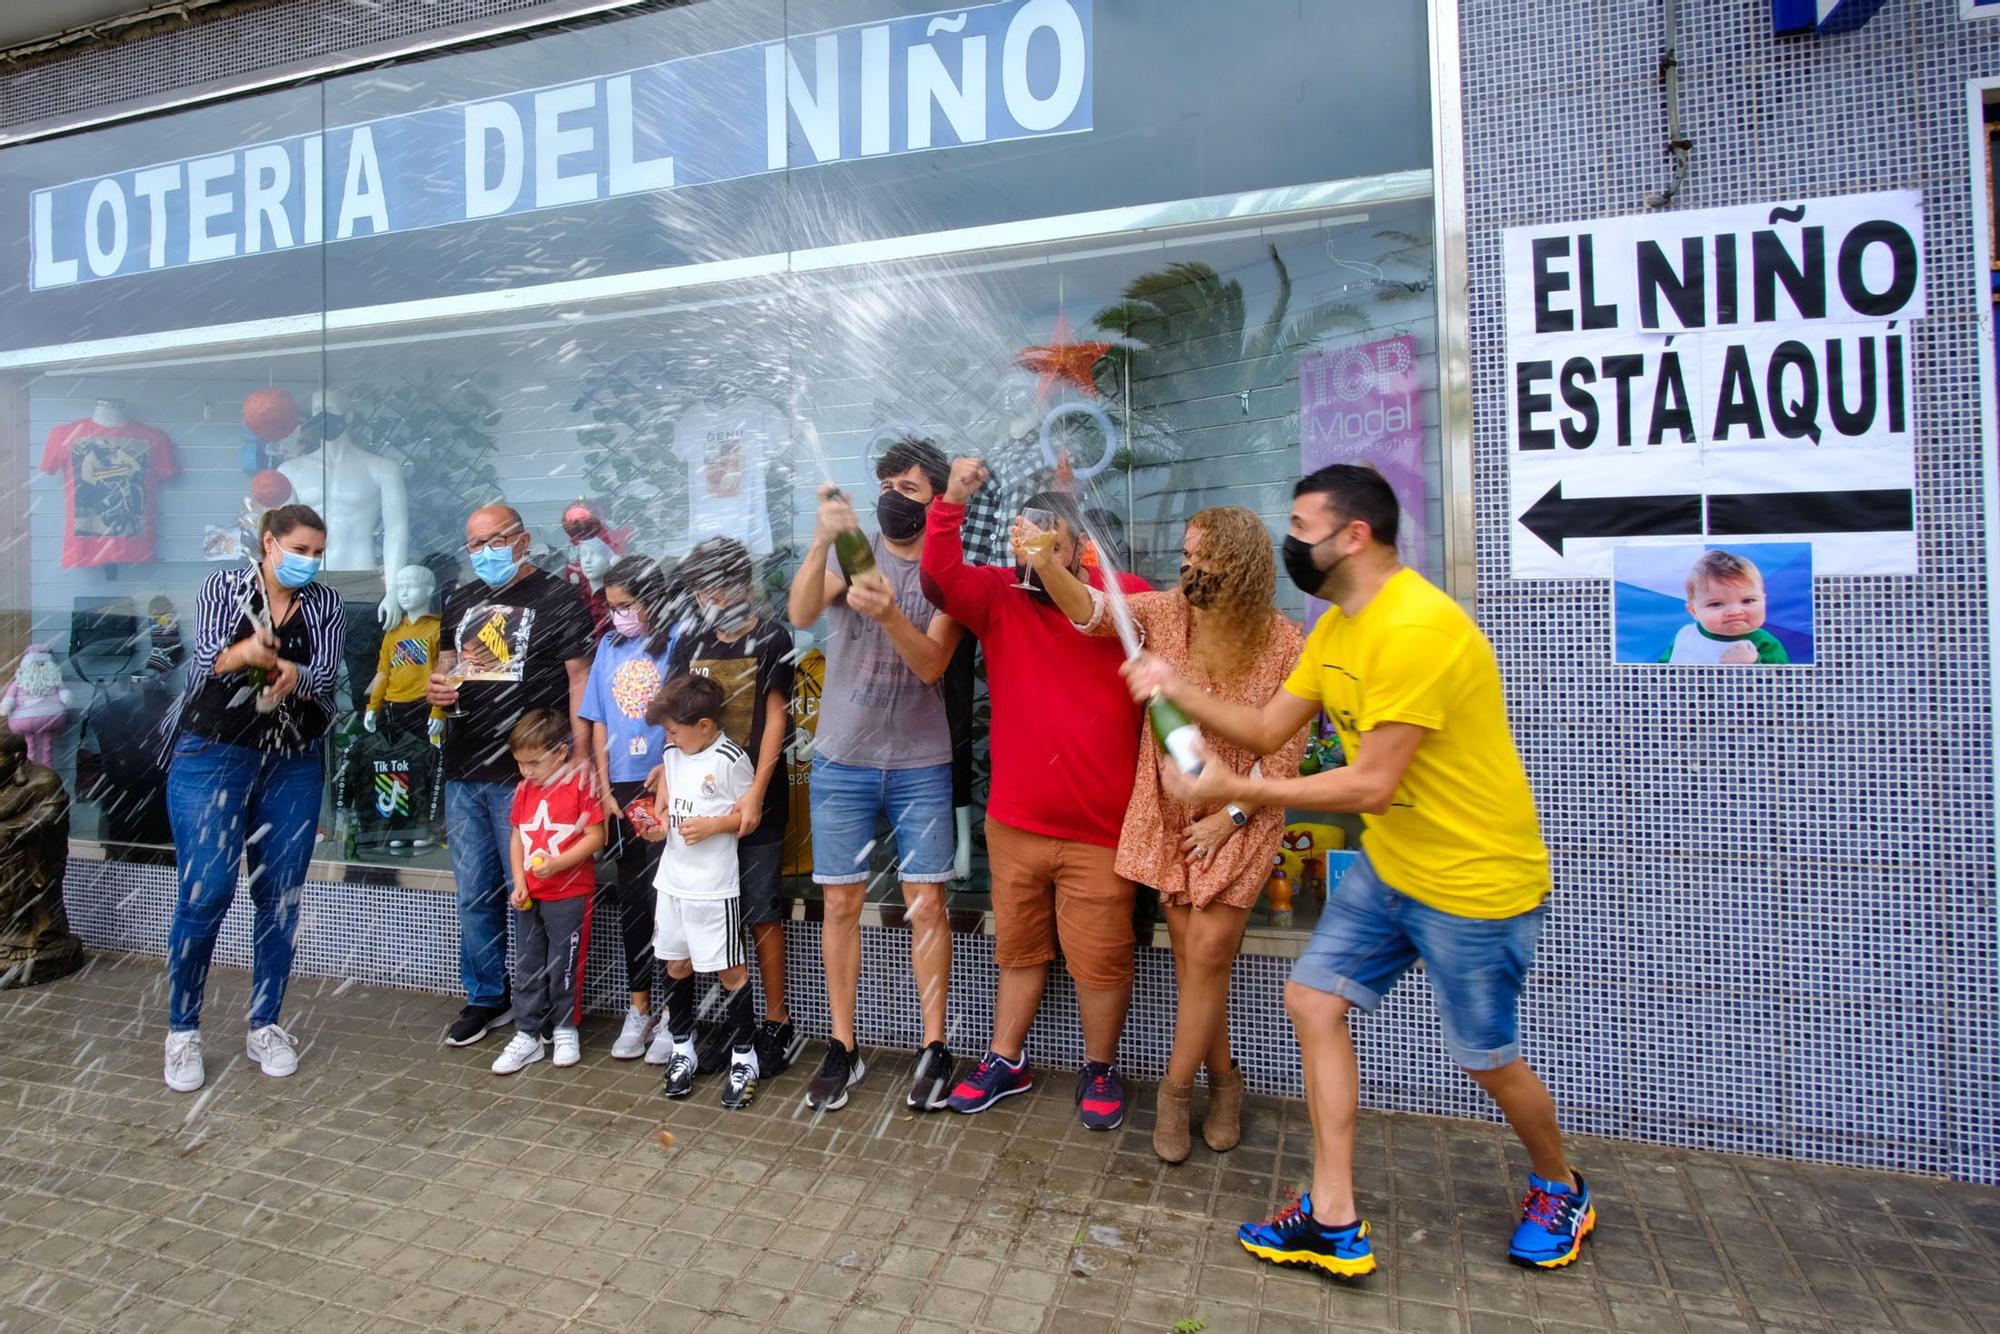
522	636
748	670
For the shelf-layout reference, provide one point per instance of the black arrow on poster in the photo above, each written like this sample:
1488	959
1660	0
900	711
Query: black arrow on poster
1887	511
1555	519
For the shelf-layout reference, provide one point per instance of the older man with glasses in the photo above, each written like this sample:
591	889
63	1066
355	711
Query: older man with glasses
515	638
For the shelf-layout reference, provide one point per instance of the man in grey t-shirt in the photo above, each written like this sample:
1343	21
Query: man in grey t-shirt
883	747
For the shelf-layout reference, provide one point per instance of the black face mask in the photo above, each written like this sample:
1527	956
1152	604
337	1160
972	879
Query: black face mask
1305	572
1199	587
899	517
323	426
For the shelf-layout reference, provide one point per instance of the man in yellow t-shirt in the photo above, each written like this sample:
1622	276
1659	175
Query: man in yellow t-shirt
1453	870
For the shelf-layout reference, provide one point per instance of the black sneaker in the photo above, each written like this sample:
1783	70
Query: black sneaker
778	1045
930	1091
840	1071
711	1047
679	1081
740	1090
476	1021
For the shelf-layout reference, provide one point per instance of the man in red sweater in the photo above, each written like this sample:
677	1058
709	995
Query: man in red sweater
1065	738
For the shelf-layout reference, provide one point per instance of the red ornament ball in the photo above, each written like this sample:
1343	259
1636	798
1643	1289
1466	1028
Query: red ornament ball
581	522
270	488
271	414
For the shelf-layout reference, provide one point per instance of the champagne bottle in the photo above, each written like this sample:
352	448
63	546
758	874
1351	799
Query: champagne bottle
1175	732
857	558
852	549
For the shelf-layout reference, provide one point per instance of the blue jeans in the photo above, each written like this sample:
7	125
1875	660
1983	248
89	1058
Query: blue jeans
225	802
479	818
846	801
1370	933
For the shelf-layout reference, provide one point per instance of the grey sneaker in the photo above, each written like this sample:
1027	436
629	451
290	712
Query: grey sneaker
633	1037
184	1070
273	1049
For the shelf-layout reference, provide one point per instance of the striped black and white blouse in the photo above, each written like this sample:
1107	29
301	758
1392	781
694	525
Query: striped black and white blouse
220	707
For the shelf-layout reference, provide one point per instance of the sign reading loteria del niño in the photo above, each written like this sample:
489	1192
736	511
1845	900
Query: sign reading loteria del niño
985	74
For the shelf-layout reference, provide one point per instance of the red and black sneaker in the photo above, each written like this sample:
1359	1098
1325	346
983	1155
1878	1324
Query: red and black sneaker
1100	1096
994	1078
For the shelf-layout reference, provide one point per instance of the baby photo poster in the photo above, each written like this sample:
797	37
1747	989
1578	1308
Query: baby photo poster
1741	604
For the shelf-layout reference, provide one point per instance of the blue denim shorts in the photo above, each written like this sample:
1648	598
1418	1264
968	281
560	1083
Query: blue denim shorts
1369	935
847	801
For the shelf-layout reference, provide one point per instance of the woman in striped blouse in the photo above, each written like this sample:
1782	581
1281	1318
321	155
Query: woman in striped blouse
247	775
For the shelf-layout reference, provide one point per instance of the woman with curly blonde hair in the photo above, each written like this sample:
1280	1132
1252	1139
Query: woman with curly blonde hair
1217	626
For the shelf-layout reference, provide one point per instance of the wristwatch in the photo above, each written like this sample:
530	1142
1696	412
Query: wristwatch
1237	815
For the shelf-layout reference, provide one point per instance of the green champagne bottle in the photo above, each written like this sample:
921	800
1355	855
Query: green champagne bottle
856	556
852	549
1175	732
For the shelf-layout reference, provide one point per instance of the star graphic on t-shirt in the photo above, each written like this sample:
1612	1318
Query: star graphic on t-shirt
550	843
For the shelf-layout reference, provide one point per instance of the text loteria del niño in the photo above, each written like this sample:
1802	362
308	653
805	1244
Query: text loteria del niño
985	74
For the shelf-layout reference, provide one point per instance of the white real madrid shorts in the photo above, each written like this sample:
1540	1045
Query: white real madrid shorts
706	932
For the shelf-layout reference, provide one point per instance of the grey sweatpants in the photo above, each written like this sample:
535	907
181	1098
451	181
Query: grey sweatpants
551	940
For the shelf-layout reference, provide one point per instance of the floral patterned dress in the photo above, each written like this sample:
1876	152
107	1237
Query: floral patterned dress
1149	849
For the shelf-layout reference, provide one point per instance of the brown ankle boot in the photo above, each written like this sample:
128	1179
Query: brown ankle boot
1222	1128
1170	1126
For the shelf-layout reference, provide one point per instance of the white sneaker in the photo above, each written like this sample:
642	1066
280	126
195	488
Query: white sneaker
184	1072
274	1049
521	1052
661	1049
569	1050
633	1037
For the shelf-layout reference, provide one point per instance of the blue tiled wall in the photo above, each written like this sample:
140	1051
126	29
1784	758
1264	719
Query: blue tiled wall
1776	926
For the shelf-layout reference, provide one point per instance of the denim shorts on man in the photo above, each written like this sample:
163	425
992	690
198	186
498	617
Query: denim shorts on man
1369	935
847	800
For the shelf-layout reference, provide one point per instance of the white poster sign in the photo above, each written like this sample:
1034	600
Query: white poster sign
1737	373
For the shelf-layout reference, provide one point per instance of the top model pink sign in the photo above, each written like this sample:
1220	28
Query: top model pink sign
1364	404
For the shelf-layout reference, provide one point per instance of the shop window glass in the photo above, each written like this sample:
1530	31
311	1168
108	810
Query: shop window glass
133	444
1235	201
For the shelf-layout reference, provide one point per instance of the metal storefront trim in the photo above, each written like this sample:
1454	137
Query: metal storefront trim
1454	350
375	53
1132	220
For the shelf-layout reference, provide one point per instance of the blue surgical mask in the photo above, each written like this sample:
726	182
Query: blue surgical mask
296	571
495	568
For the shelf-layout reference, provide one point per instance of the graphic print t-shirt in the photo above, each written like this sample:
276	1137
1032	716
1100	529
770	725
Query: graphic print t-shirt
748	671
874	712
111	475
517	639
725	449
548	820
404	665
708	783
623	681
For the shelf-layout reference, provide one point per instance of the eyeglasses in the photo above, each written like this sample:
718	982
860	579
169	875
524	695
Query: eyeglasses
498	542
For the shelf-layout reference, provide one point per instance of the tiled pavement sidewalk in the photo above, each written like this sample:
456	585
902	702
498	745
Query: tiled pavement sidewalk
395	1185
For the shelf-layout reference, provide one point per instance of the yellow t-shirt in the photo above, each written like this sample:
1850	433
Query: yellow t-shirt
1461	834
409	656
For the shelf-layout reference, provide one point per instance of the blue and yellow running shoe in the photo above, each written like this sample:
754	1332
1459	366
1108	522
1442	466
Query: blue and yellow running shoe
1554	1222
1292	1237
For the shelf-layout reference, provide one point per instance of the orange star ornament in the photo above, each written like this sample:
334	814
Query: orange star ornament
1061	361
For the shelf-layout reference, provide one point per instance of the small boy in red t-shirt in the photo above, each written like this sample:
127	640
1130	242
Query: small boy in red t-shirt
558	828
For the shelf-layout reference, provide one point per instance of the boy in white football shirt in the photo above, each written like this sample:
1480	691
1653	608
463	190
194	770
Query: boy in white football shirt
698	925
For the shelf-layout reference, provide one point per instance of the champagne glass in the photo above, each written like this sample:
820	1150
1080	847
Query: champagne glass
1045	521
